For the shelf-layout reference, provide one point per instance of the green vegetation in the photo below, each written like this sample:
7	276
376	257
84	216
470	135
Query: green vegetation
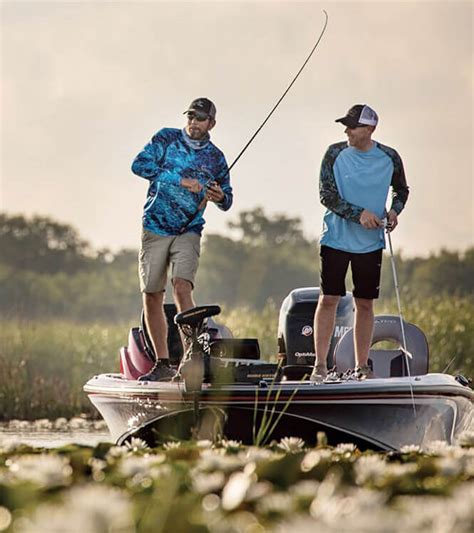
204	487
66	309
44	364
47	270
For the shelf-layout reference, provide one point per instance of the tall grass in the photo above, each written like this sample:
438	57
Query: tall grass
448	324
43	365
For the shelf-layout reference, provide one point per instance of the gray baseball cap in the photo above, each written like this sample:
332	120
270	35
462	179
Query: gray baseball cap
359	115
202	105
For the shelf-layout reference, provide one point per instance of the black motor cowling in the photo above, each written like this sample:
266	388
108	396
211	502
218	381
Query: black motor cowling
295	325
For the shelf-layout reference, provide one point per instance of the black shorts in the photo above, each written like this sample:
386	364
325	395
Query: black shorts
365	272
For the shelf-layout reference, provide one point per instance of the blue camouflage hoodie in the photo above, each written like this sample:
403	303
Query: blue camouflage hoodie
170	209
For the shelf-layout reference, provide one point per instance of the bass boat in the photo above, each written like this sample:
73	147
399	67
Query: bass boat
224	388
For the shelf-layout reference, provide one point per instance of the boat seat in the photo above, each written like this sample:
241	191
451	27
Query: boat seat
194	316
387	363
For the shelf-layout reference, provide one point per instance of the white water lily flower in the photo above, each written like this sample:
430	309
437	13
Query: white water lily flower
78	422
99	425
442	449
136	444
255	454
97	466
115	452
372	468
439	447
204	483
171	445
291	444
42	424
19	425
410	448
449	466
91	508
44	470
336	504
345	448
60	424
230	445
136	467
369	468
203	444
212	460
314	457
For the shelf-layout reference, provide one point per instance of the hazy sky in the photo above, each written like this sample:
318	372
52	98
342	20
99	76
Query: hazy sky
86	84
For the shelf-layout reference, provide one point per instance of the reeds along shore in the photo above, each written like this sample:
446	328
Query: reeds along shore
44	364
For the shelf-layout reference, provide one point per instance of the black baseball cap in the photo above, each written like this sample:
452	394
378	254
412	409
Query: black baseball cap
202	105
359	115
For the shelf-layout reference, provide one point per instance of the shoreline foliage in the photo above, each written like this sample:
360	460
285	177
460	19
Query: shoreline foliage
48	271
44	364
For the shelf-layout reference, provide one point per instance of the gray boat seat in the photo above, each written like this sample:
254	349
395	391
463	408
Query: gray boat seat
387	363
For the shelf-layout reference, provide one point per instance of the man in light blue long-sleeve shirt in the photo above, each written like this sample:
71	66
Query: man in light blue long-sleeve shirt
185	170
354	183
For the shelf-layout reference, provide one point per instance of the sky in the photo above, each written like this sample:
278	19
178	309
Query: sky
86	84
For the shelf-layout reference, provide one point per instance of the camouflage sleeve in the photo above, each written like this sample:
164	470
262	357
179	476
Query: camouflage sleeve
149	162
328	192
399	185
224	182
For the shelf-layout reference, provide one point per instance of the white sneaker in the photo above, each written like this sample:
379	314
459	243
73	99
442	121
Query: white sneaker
319	373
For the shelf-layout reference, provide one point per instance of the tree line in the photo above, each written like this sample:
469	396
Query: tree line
48	270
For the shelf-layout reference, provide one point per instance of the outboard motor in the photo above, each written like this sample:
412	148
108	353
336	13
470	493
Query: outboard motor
295	325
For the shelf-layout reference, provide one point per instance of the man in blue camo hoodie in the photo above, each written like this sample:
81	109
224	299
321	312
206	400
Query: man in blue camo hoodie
354	183
185	170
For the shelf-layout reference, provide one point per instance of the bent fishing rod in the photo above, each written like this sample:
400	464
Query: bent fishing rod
249	142
282	96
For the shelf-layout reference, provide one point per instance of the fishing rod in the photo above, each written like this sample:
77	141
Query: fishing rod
283	95
249	142
406	353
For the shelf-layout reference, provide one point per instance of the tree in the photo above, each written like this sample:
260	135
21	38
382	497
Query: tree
270	258
257	229
41	245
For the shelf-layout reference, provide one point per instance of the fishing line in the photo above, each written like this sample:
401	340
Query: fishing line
249	142
283	95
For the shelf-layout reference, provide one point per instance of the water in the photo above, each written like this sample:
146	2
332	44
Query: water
54	439
44	433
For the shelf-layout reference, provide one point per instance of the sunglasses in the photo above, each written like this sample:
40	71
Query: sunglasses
358	126
200	117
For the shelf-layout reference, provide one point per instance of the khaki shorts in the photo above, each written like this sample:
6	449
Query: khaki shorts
158	251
